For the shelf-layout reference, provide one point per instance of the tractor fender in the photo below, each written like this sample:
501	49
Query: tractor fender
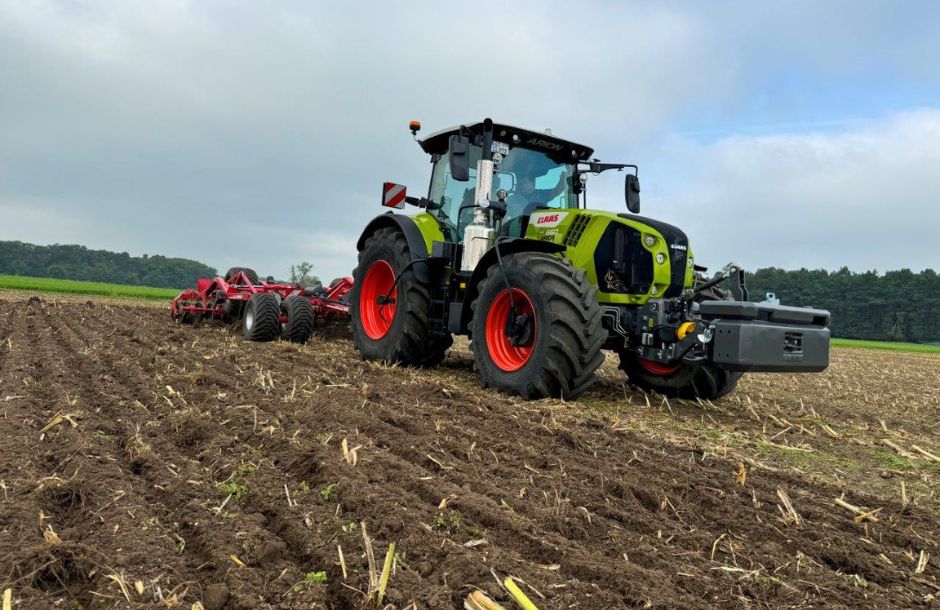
417	246
489	259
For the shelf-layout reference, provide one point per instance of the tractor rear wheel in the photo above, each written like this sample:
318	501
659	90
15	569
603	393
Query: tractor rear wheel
298	326
251	273
391	322
689	381
262	321
542	337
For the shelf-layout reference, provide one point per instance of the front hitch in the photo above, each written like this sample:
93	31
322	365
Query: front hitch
732	270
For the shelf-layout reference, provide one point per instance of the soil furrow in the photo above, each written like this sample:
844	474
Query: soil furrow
212	469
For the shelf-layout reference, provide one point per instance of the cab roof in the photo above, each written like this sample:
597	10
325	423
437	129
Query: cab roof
553	146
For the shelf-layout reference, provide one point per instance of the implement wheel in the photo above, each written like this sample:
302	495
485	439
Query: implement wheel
299	317
251	273
396	329
543	336
262	320
689	381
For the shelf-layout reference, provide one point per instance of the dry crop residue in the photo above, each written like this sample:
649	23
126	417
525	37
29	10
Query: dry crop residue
146	464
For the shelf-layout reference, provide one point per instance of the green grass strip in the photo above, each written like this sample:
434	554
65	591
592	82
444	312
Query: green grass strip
46	284
924	348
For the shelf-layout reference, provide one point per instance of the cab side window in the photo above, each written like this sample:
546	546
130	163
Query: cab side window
452	194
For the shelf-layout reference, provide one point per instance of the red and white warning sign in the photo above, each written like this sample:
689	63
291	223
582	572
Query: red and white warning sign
393	195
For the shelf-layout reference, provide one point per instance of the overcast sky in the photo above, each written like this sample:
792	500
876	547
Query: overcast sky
258	133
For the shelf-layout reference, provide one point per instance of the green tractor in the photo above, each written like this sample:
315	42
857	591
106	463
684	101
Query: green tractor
505	250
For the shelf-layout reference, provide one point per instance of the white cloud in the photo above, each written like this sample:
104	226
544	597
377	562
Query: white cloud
185	127
868	198
258	133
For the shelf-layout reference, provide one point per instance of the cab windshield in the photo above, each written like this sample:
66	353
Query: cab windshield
532	179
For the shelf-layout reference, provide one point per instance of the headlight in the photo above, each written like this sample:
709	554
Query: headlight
649	240
705	335
660	258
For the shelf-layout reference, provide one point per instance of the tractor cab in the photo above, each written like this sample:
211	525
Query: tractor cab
532	171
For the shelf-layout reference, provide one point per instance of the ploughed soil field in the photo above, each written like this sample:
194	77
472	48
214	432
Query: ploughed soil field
145	464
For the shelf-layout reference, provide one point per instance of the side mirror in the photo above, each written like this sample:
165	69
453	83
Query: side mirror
505	181
459	157
631	193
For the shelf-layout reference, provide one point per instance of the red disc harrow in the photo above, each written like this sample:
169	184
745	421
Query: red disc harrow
267	309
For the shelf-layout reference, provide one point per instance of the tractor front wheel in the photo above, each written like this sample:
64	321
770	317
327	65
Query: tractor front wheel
689	381
262	320
391	321
298	319
536	328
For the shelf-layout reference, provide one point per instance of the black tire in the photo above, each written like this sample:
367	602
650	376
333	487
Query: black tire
437	351
567	336
689	381
298	327
408	339
251	273
262	321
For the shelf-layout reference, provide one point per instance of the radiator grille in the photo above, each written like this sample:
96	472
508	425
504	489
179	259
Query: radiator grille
576	230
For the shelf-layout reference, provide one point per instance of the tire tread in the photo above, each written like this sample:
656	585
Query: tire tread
267	317
251	273
575	332
300	319
416	345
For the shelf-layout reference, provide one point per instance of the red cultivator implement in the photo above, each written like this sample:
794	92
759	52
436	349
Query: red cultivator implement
267	309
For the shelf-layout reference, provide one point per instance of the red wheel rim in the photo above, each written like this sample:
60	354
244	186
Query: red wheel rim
657	368
504	354
377	319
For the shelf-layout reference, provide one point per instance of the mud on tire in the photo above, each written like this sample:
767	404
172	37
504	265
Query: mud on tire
262	321
397	332
300	317
689	381
565	345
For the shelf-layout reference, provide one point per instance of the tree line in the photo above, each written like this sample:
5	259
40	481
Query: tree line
894	306
75	262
